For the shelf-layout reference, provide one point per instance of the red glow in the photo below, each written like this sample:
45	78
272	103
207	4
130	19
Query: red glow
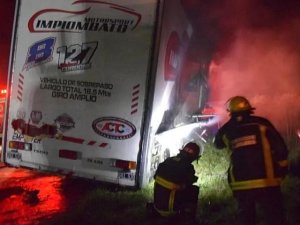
15	184
263	69
6	24
257	58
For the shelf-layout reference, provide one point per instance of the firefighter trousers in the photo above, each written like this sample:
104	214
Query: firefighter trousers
267	200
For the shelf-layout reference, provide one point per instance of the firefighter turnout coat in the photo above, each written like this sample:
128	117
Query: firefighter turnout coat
258	152
173	187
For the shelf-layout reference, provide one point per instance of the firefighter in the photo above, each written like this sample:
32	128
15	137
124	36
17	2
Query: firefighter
258	162
175	196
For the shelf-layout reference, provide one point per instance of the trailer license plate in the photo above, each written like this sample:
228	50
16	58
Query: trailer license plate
14	155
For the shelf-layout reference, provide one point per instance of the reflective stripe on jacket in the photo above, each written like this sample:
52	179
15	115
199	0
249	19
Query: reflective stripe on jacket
173	188
171	178
258	152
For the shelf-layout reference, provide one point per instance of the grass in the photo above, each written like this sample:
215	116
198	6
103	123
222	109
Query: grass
216	203
109	206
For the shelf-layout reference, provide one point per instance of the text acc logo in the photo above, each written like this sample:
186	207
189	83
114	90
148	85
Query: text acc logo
114	128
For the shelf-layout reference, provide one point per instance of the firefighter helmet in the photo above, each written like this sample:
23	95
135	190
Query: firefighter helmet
193	150
238	104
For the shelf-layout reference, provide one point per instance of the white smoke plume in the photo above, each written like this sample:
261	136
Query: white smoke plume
260	60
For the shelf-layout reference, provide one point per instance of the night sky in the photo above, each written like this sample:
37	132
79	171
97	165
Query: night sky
6	24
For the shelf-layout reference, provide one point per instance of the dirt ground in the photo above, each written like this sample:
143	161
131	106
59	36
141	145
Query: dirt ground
28	197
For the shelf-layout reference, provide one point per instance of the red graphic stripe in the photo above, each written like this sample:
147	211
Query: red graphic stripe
20	87
136	86
134	105
100	2
134	111
82	141
103	145
73	139
136	92
92	142
36	15
135	98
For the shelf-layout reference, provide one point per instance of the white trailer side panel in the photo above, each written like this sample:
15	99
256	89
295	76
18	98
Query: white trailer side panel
78	85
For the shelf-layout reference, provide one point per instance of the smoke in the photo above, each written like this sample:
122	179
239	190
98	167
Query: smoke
256	55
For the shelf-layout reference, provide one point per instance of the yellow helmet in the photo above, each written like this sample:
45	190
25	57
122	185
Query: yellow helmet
238	104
